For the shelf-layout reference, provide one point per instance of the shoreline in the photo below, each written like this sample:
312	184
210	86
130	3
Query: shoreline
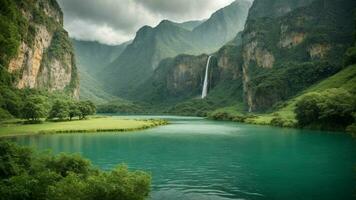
136	125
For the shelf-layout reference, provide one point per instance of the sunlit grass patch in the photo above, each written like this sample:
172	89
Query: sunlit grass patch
106	124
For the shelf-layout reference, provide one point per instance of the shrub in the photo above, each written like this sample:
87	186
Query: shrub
26	176
332	108
282	122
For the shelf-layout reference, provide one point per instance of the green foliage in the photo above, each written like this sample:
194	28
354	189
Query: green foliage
282	122
60	110
13	160
25	175
86	108
350	56
73	110
332	108
65	165
60	44
10	32
11	101
35	108
279	84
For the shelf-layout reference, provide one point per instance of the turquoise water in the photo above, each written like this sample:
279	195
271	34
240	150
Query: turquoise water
194	158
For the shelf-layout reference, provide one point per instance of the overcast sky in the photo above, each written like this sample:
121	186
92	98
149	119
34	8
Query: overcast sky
116	21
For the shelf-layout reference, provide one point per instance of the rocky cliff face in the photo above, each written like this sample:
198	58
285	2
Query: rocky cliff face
182	77
288	33
45	57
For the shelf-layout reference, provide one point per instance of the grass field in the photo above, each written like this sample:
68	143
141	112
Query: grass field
90	125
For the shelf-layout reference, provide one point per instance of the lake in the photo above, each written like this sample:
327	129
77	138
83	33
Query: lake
199	159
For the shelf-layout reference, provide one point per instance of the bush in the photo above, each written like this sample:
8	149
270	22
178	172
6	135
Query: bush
332	108
26	176
282	122
307	109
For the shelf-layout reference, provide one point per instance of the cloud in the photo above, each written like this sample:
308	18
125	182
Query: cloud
116	21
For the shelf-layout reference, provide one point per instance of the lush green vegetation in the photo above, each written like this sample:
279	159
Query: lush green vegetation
98	124
330	109
281	83
12	30
26	174
35	104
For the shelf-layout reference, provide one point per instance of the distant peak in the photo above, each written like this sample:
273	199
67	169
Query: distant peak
165	22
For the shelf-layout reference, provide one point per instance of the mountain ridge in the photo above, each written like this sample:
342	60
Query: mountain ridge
165	40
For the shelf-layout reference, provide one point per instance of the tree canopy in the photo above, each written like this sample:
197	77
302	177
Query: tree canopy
27	175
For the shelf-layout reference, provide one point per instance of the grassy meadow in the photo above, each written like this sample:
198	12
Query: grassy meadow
104	124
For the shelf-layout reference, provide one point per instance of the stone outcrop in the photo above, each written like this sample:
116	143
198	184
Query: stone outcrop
41	61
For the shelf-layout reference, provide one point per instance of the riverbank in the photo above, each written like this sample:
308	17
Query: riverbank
102	124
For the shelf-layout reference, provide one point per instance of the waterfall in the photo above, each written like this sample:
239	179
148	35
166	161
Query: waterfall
205	86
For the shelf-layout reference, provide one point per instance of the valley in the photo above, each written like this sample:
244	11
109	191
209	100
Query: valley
179	99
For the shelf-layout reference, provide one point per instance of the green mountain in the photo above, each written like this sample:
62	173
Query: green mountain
190	25
284	55
222	26
271	60
276	8
91	58
151	45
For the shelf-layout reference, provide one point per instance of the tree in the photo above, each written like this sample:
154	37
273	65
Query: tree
73	110
11	101
60	110
307	109
35	107
86	108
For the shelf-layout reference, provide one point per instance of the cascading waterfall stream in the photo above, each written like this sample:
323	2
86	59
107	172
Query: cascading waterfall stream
205	86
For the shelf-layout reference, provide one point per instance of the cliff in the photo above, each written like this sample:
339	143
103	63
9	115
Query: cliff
181	78
39	54
285	53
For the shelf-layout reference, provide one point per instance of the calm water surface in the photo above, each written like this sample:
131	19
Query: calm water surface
194	158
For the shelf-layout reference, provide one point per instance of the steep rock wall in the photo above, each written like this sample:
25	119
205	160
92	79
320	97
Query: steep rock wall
45	57
293	33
